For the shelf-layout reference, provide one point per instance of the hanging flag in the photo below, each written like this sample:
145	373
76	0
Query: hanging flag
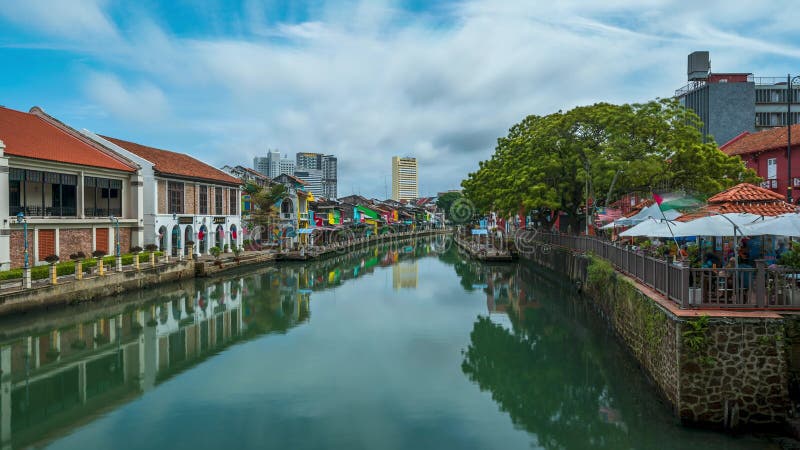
658	199
233	233
200	235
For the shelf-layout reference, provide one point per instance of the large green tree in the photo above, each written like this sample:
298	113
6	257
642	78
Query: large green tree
445	202
553	162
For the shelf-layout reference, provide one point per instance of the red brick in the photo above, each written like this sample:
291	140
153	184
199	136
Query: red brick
18	247
74	241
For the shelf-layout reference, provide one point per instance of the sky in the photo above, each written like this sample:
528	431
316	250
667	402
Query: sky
364	79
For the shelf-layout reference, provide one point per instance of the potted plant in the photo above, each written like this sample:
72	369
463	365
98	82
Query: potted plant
152	248
237	252
52	260
98	254
78	258
136	250
226	248
215	252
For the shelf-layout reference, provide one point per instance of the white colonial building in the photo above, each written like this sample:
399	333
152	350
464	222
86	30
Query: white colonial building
72	194
184	199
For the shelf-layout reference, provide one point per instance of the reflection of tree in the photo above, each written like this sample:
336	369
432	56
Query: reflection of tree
545	383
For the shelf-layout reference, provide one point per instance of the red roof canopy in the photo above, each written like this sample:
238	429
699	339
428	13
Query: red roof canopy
744	198
37	135
772	139
173	163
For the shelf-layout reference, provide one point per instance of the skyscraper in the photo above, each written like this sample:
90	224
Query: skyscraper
327	165
404	178
313	179
269	165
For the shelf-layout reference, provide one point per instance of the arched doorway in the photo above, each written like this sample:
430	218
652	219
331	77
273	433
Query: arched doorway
287	209
202	240
176	240
234	236
188	236
162	239
219	237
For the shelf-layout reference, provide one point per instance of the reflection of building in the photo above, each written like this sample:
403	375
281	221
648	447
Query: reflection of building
404	178
184	199
52	380
405	275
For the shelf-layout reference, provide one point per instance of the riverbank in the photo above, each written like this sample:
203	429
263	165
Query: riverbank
727	369
91	288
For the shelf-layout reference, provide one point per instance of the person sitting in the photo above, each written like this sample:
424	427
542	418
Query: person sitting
710	260
744	254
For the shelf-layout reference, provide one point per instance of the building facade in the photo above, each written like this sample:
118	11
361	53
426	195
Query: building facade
328	167
184	199
404	178
313	179
765	152
268	165
68	191
732	103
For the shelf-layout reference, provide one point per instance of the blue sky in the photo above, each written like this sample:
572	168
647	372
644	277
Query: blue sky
365	80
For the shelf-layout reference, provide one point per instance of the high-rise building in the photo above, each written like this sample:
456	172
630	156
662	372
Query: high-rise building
328	167
733	103
286	165
404	178
269	165
313	179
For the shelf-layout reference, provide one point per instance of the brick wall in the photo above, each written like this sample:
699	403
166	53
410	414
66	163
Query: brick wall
162	197
18	247
125	239
74	241
189	199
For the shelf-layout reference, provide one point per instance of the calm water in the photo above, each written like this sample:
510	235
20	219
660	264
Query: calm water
400	347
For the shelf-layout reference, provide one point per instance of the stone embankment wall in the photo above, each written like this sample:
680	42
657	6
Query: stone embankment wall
88	289
726	370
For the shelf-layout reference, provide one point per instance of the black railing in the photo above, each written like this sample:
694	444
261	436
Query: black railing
727	287
44	211
102	212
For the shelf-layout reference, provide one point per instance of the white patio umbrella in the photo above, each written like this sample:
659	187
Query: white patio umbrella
653	228
784	225
651	212
730	224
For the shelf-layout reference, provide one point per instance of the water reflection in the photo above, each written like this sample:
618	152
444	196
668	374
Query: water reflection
558	372
57	376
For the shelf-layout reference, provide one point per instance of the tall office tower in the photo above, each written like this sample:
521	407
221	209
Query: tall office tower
328	167
313	179
269	165
404	178
261	164
286	166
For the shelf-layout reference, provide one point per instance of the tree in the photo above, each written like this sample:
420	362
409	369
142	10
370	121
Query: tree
265	201
446	201
558	161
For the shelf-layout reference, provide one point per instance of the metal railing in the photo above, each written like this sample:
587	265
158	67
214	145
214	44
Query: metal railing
102	212
740	288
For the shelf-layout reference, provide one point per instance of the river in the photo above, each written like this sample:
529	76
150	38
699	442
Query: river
404	346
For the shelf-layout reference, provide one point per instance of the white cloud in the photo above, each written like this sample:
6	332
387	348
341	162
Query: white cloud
365	81
142	103
82	20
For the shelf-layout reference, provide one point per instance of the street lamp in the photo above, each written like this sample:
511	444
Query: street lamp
21	219
789	82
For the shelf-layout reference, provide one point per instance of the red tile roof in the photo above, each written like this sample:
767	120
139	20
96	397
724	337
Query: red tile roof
37	135
772	139
178	164
746	192
743	198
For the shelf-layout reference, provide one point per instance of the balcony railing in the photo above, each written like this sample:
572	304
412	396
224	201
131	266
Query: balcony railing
43	211
738	288
102	212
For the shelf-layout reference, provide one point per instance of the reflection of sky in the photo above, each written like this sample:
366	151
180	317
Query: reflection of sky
374	368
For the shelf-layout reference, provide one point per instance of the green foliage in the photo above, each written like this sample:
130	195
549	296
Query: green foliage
695	335
446	201
600	273
215	252
791	258
545	161
151	247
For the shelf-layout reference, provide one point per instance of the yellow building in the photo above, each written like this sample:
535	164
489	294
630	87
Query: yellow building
404	178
